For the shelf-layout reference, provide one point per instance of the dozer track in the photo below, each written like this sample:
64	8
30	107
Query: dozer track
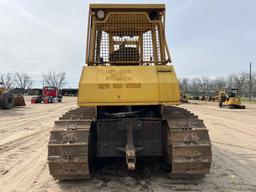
188	144
68	148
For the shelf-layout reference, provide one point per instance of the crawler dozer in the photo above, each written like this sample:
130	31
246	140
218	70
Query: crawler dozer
128	97
10	98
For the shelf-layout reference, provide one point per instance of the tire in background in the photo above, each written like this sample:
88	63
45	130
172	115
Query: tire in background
49	100
60	99
220	104
7	100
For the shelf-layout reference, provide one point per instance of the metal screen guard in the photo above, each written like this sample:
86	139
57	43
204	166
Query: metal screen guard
128	38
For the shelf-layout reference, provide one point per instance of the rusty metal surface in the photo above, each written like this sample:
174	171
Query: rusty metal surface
189	145
113	136
19	100
130	148
68	147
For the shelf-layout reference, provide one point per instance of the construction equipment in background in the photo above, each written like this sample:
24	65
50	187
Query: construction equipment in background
215	97
48	95
10	97
230	99
128	97
183	98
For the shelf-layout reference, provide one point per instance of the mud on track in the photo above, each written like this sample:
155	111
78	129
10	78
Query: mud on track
24	134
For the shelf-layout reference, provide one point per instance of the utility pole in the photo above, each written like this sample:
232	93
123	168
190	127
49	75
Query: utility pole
250	81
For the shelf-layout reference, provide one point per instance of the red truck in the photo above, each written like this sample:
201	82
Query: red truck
48	95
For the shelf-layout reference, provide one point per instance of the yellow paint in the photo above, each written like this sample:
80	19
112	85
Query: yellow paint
127	79
233	101
2	90
128	85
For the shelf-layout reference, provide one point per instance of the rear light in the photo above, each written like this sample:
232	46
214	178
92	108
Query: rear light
100	14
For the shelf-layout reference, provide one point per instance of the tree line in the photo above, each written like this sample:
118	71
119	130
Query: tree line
24	81
206	86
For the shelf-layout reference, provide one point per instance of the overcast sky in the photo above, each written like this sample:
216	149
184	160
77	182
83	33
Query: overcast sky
206	37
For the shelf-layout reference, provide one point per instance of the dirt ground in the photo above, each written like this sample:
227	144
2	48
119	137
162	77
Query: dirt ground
24	134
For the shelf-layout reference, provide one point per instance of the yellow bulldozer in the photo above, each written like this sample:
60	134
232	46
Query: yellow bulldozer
128	97
230	99
10	98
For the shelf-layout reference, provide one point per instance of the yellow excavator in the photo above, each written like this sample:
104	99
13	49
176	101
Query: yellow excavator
230	99
128	97
10	98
